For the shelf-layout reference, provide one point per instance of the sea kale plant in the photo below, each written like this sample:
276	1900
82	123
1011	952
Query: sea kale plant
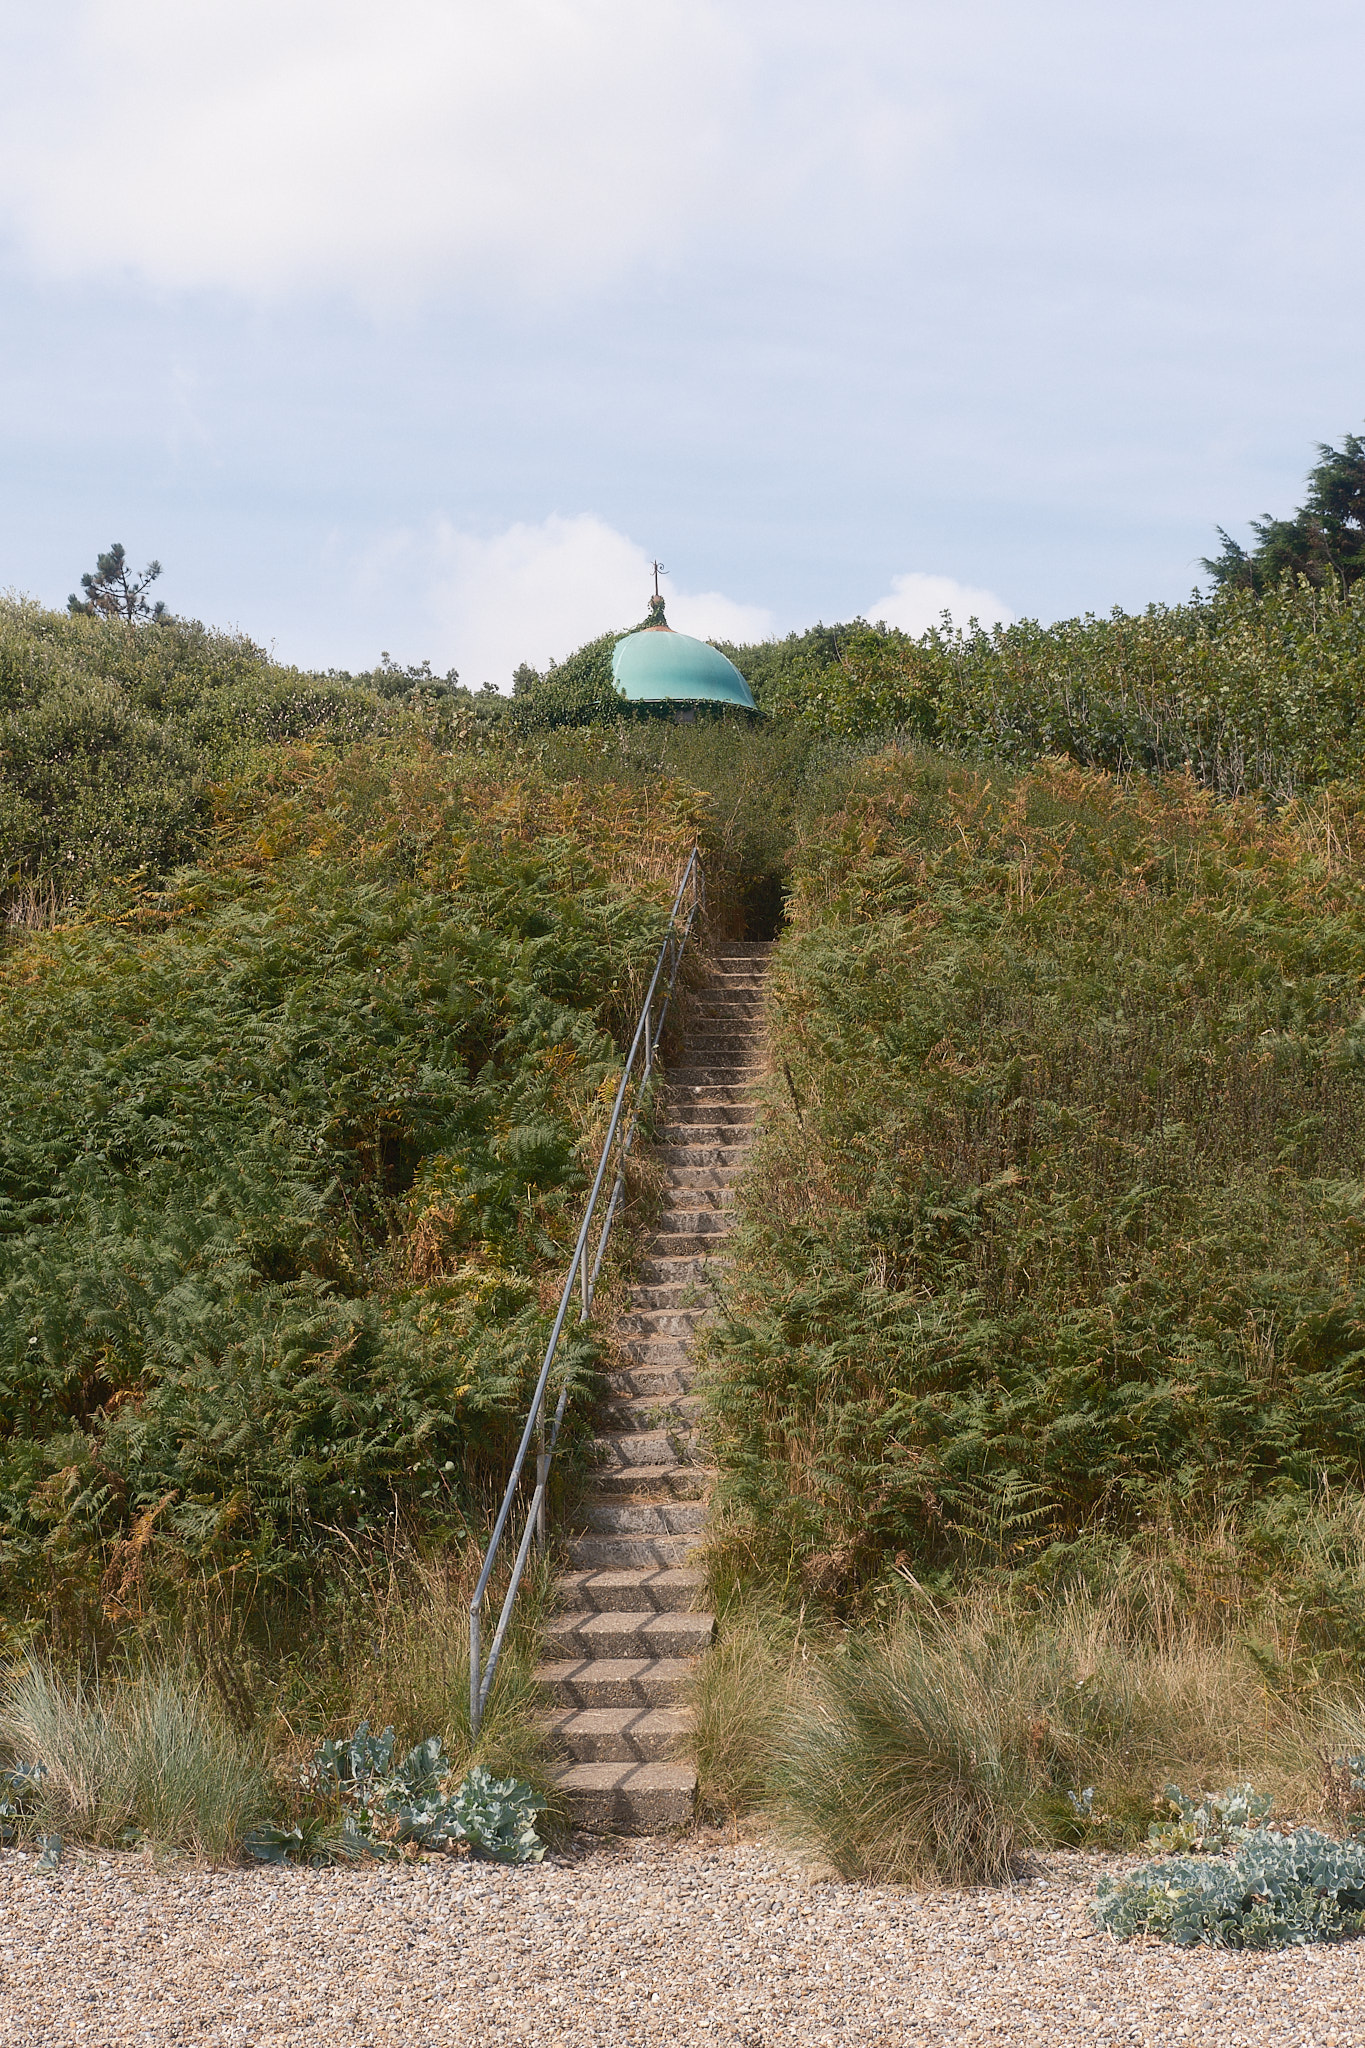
1268	1890
371	1804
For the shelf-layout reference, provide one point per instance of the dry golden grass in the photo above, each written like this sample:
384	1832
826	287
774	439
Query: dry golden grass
941	1745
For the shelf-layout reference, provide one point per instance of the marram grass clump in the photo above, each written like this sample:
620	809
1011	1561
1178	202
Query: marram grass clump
904	1760
152	1758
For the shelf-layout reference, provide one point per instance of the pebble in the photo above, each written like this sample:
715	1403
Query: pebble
619	1944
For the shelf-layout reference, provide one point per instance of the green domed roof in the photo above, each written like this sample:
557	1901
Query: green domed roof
656	665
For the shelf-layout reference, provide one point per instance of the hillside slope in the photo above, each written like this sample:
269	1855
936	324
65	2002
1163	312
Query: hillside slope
1055	1229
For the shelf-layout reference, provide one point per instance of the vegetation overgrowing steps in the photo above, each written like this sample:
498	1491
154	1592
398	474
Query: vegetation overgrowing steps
629	1620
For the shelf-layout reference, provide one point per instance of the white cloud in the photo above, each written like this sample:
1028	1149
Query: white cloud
266	145
535	592
916	602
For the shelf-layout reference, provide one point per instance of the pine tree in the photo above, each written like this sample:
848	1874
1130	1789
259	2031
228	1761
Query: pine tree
1324	540
113	592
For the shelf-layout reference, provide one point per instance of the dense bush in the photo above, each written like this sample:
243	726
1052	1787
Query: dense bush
284	1152
112	735
1248	691
1056	1222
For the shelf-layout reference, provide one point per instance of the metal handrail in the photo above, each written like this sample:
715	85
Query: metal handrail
621	1135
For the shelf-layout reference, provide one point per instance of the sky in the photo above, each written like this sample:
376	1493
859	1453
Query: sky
422	327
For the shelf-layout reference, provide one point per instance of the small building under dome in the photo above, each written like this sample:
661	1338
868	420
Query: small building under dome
655	665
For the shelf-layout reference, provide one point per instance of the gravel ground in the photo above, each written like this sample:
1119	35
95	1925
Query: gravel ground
645	1942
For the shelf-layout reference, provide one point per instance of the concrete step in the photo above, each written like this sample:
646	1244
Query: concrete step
682	1096
628	1634
630	1553
673	1197
731	1128
662	1590
672	1271
649	1482
628	1413
629	1449
746	1077
743	1010
660	1322
726	1151
654	1378
630	1797
745	1038
698	1219
691	1210
690	1239
615	1681
687	1294
618	1735
721	1178
644	1518
684	1116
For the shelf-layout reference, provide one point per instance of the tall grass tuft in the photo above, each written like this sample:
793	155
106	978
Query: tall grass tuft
152	1756
905	1761
944	1744
741	1696
414	1671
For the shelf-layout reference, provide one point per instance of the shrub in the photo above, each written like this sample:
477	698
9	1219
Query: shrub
284	1155
382	1805
1246	691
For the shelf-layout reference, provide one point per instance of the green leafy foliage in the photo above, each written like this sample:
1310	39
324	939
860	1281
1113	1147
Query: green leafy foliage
372	1804
112	736
1271	1891
1323	541
1247	689
1211	1821
284	1152
1055	1222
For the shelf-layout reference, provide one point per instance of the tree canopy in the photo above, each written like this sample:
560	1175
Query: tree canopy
112	591
1324	540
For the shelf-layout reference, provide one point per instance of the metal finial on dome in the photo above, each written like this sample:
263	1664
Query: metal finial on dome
657	622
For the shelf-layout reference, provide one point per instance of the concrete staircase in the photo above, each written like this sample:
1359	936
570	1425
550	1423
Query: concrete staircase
628	1621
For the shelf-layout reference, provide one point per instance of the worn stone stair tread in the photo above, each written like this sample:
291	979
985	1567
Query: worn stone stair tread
645	1518
631	1795
670	1294
632	1414
665	1589
592	1735
637	1447
615	1553
650	1380
632	1633
616	1681
640	1483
